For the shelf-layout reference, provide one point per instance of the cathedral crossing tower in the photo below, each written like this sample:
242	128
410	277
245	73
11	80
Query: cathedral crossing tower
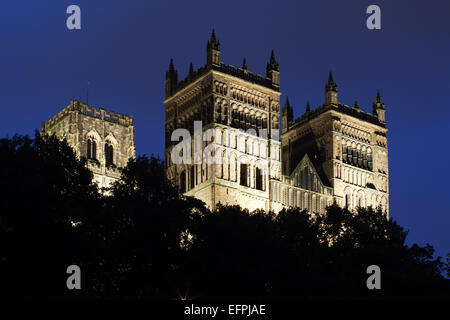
242	111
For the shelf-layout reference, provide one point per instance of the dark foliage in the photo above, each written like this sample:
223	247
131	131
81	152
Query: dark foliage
142	239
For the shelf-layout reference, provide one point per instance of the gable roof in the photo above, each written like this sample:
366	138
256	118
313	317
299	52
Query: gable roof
316	168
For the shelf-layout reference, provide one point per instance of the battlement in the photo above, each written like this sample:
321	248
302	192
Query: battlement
92	111
103	114
228	69
246	75
191	78
342	108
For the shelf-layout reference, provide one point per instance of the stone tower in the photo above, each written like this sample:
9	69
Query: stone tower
105	138
240	118
347	146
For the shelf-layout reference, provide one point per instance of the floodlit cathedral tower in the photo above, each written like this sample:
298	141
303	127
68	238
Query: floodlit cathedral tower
333	153
347	146
105	138
241	111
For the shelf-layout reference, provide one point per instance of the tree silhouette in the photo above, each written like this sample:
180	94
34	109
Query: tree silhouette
45	190
142	239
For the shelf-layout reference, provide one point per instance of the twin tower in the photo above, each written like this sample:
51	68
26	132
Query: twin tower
333	152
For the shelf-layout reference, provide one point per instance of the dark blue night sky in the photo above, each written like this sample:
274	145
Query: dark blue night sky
124	48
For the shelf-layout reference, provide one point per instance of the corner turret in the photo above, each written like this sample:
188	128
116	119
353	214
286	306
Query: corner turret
273	71
171	79
213	50
331	91
378	109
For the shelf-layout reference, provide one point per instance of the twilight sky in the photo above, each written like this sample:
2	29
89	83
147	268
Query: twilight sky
124	47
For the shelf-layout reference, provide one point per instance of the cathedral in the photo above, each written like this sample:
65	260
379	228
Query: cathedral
249	149
104	138
333	152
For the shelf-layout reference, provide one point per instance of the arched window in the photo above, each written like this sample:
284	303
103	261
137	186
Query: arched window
253	121
109	154
235	115
94	149
91	149
225	114
244	175
241	120
364	160
259	179
355	157
359	156
247	121
344	154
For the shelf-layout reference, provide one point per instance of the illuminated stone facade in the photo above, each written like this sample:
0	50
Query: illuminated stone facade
347	146
333	153
105	138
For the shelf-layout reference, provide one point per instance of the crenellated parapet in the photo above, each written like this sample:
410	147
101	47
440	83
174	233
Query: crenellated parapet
110	116
377	117
92	111
48	125
227	69
342	108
